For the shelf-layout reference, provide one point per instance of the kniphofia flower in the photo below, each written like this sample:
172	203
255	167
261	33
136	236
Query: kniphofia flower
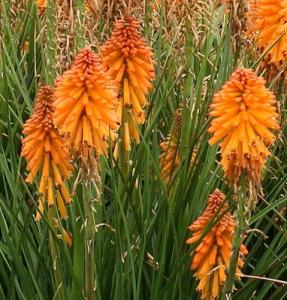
169	158
130	63
41	4
85	105
243	113
46	155
211	258
270	22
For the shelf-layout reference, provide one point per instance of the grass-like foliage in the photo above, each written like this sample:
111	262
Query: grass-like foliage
140	220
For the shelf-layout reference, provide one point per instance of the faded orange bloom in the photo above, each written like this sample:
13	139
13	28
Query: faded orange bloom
130	63
41	4
211	258
25	46
46	155
243	113
85	105
169	158
270	21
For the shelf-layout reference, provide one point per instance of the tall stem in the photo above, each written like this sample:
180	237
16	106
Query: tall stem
124	153
238	238
78	253
55	259
80	26
49	77
89	243
51	42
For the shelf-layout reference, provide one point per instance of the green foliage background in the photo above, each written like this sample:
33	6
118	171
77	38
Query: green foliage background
140	247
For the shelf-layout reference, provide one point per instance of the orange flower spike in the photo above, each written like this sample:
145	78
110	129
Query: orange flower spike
45	153
85	106
270	21
243	113
212	256
130	62
169	158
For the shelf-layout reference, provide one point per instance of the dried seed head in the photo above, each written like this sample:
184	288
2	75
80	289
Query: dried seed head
65	33
227	4
169	158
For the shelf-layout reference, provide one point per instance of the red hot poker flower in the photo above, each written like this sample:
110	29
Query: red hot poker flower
46	154
85	106
211	258
130	63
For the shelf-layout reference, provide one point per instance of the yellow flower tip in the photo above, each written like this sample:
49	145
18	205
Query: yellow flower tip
268	20
212	256
133	130
67	237
40	210
45	151
86	105
130	62
127	140
243	114
170	158
38	217
64	235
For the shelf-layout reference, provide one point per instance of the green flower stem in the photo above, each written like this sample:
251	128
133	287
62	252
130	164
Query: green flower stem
55	258
89	243
80	26
49	77
78	253
51	44
240	229
124	154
